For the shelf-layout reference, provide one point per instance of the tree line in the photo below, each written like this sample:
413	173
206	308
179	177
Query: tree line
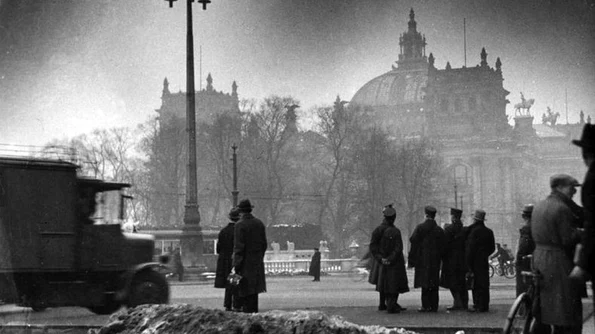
339	174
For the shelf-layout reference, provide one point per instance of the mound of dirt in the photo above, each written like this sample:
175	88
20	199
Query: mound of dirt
184	318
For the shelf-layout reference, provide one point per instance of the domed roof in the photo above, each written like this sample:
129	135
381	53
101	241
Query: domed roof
393	88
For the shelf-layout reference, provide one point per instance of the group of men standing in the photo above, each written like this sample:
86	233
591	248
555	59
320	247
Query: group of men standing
455	258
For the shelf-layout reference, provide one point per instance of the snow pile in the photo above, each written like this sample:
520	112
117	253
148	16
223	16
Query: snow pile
184	318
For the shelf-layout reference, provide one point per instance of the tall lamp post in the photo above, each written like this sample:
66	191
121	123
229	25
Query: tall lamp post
235	192
191	239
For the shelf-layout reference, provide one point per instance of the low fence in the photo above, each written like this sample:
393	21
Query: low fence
302	265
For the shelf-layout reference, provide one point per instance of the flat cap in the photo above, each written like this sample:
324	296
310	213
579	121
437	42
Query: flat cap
563	180
430	210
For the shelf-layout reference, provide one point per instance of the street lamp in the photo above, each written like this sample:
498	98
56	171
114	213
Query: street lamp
191	239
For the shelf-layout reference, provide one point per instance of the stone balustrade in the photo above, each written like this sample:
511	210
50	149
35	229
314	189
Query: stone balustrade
302	265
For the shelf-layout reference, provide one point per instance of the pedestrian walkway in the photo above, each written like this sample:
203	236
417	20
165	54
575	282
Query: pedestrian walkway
439	322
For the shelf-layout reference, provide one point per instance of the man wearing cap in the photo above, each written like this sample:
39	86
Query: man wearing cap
388	271
555	240
584	268
427	243
224	262
250	245
479	244
453	266
526	247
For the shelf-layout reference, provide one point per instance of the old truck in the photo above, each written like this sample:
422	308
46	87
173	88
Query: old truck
61	242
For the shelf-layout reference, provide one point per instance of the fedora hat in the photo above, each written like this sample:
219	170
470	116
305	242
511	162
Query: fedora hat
479	215
587	140
245	205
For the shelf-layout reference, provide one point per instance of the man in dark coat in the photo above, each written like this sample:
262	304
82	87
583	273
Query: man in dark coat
224	263
315	266
250	245
555	240
584	268
178	265
453	262
377	257
392	275
480	243
427	244
526	247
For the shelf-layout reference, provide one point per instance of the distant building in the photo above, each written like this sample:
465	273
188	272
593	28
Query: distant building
209	102
495	167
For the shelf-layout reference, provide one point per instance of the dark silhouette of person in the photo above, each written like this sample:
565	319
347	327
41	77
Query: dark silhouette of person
250	245
454	268
231	300
315	266
427	245
392	276
479	245
526	247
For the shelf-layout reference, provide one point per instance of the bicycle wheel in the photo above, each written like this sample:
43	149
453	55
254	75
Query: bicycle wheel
519	317
510	271
491	270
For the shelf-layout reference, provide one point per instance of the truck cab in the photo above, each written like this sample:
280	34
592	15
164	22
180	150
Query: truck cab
61	241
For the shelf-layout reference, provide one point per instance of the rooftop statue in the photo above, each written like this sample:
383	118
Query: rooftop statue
549	117
523	108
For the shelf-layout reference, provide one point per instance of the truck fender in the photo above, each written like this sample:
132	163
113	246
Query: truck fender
126	280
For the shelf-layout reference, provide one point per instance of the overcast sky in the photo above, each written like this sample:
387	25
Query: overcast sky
68	67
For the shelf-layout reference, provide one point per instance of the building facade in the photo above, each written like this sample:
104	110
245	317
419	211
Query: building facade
490	164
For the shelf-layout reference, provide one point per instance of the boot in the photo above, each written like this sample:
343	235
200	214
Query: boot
382	302
391	304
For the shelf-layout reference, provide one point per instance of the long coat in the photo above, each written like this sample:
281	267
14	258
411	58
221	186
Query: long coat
453	271
225	257
392	276
315	265
526	247
375	251
480	243
587	256
554	238
427	243
250	244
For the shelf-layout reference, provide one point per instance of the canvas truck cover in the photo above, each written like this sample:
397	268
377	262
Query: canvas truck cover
37	215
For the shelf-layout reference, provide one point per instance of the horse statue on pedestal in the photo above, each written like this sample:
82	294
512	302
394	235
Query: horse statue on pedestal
523	108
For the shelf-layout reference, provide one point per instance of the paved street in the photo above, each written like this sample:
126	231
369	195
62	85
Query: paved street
338	294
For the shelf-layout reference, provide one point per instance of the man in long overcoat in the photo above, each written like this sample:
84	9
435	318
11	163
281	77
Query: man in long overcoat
585	254
314	269
480	243
376	256
555	240
427	243
526	247
224	262
250	244
392	275
453	262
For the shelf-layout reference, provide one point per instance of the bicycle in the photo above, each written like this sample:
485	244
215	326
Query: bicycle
507	271
521	317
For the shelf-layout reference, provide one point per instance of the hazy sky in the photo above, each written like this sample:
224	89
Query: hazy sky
68	67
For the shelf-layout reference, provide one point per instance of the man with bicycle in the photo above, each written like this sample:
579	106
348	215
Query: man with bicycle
555	235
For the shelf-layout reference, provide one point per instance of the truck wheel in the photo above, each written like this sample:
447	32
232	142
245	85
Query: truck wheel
148	287
109	306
